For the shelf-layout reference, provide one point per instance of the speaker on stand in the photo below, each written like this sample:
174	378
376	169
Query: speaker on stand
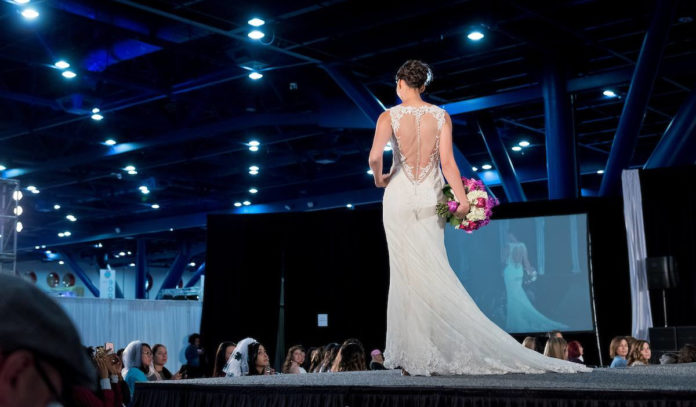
662	275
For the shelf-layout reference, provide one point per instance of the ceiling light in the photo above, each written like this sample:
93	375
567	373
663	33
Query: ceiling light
255	76
132	172
56	206
2	167
600	171
130	253
21	1
237	204
110	142
129	168
523	143
256	35
35	191
155	206
388	147
96	110
30	13
17	195
253	168
246	203
516	148
19	227
370	172
67	233
69	74
474	169
62	64
71	218
30	187
122	254
192	264
18	210
609	93
132	264
253	172
37	247
475	35
61	262
486	166
144	191
254	143
349	206
253	190
97	117
254	149
256	22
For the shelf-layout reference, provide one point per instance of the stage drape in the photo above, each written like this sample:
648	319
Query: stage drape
637	253
100	320
156	395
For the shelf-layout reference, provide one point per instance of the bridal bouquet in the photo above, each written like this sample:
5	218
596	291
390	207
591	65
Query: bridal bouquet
481	206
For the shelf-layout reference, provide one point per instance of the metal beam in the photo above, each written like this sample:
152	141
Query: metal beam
638	95
196	276
176	270
357	92
501	158
561	161
141	269
676	147
68	258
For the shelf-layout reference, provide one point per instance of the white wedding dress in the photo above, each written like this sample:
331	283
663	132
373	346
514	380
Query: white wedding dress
433	325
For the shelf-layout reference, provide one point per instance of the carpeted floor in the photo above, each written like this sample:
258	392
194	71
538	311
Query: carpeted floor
643	378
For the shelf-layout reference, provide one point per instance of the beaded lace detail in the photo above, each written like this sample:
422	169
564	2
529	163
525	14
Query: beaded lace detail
418	170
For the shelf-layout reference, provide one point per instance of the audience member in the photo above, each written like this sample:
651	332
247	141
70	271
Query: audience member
377	362
540	343
40	351
193	354
554	334
294	360
224	351
159	359
556	347
308	360
575	352
669	358
529	342
137	364
317	359
330	352
639	354
350	357
618	350
109	395
249	359
687	354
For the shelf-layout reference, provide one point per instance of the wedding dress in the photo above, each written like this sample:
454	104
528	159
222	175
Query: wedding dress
433	325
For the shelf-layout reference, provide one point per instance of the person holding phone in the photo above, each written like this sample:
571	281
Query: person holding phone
159	359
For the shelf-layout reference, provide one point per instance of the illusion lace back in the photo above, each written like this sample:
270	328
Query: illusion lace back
433	325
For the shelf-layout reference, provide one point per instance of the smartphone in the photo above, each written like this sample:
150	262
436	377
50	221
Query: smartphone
109	348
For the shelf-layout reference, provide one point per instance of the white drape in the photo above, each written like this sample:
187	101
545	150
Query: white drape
120	321
637	252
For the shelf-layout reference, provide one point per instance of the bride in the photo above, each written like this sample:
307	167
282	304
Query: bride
433	325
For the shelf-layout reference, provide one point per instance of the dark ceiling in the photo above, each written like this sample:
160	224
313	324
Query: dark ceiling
170	78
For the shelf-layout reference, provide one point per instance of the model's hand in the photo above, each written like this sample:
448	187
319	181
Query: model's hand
383	180
462	210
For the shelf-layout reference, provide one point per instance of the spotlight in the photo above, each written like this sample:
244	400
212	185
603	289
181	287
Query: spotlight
71	218
69	74
96	110
388	147
132	265
18	210
61	262
97	117
155	206
256	35
62	64
37	247
253	168
370	172
253	172
600	171
237	204
56	207
19	227
609	93
523	143
67	233
254	143
133	172
254	149
2	167
253	190
30	13
486	166
144	190
17	195
475	35
255	76
129	168
474	169
122	254
192	264
349	206
516	148
110	142
246	203
256	22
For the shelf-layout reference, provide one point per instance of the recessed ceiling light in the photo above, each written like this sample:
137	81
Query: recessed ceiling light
56	206
71	218
370	172
237	204
155	206
30	13
609	93
62	64
256	22
475	35
18	210
96	110
2	167
255	76
254	143
192	264
254	149
132	172
69	74
97	117
246	203
600	171
349	206
253	172
110	142
132	265
516	148
253	190
474	169
61	262
486	166
67	233
129	168
256	35
20	227
388	147
523	143
17	195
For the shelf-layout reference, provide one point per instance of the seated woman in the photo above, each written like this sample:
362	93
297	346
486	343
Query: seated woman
618	350
159	372
640	353
224	351
556	348
575	352
529	342
137	364
294	360
317	358
350	357
249	359
330	352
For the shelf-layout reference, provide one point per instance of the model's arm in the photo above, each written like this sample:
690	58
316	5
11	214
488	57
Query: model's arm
449	167
382	134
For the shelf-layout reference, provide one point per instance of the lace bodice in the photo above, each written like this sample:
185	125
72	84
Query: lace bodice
416	138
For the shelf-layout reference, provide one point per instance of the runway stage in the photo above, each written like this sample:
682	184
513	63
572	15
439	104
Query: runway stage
645	386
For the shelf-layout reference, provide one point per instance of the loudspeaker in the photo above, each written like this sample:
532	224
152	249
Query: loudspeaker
662	273
664	339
